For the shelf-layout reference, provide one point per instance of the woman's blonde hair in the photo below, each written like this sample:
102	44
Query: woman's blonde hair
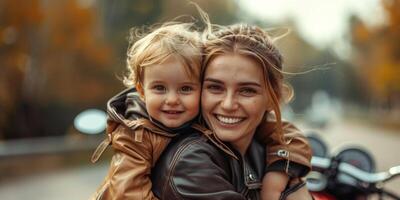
254	42
158	44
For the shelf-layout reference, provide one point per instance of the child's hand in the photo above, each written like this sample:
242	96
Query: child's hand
300	194
273	184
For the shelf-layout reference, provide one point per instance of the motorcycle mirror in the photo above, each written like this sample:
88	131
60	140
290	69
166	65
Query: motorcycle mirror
393	171
91	121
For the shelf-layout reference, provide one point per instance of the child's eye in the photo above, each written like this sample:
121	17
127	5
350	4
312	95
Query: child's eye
247	91
159	88
186	89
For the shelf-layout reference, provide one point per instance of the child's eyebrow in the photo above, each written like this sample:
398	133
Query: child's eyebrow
190	83
156	82
182	83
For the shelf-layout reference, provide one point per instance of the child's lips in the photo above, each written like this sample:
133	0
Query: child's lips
172	112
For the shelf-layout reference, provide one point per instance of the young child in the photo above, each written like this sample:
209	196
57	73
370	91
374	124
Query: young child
165	70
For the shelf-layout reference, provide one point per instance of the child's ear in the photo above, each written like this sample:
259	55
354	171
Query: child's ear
140	90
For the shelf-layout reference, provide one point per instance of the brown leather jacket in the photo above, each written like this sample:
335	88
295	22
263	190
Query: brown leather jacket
138	143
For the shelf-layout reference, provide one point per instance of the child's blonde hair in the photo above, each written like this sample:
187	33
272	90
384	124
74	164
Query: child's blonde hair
155	46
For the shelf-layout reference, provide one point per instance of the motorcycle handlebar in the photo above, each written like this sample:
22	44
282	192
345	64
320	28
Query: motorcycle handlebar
367	177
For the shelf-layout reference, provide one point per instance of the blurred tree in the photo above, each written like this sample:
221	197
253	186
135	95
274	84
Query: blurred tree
119	16
55	64
377	55
76	60
307	72
18	28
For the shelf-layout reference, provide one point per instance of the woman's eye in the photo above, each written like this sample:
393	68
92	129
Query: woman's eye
248	91
186	89
214	88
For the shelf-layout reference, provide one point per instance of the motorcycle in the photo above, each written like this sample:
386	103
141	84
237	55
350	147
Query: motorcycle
348	175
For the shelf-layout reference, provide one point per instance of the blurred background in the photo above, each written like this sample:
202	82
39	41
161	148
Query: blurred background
60	58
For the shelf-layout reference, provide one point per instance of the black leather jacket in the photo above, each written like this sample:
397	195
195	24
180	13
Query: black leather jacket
193	167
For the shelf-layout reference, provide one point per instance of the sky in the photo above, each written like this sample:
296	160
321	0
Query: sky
322	23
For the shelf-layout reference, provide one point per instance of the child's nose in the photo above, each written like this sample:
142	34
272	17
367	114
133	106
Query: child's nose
172	99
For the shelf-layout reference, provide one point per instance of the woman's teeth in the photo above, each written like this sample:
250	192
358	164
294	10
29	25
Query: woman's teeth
229	120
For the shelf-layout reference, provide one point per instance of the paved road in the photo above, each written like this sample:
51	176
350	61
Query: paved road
80	182
65	184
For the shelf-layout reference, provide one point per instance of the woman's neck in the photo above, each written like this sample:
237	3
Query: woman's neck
242	145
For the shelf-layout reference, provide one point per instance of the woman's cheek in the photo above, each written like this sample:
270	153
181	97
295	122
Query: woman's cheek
258	105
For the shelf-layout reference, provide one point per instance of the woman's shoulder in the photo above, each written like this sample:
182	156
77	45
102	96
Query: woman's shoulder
190	143
189	149
185	166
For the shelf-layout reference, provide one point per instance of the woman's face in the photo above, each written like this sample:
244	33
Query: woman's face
234	98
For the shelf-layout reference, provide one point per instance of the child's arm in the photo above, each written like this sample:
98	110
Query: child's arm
129	173
287	155
273	184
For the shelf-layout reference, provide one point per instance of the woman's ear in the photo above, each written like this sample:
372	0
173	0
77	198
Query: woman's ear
140	90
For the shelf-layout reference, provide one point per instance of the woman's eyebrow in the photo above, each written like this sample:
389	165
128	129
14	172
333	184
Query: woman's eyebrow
213	80
250	83
247	83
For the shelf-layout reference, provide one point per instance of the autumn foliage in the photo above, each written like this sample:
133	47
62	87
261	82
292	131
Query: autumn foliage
50	51
377	57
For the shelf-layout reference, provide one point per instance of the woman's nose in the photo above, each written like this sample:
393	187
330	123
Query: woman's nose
229	102
172	98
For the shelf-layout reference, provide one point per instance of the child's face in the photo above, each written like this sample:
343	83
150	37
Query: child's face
171	96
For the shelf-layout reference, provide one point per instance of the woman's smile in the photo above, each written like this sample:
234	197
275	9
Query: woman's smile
229	120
